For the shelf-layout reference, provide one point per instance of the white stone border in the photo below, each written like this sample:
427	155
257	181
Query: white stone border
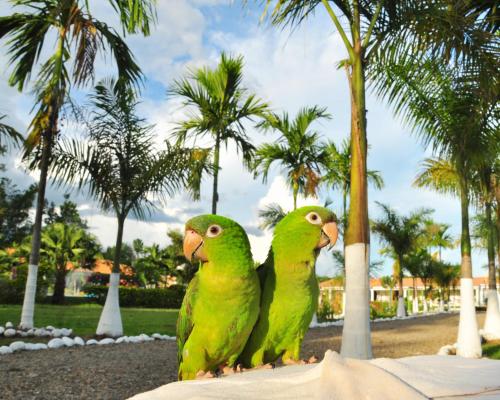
341	321
48	331
78	341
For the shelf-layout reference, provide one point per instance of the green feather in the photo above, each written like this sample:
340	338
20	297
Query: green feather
222	302
289	289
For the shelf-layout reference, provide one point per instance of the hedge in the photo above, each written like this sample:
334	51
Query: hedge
139	297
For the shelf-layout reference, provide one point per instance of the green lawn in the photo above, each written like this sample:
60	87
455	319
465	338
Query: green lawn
83	318
492	350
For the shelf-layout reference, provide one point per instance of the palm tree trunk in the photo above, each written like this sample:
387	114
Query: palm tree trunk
30	292
344	207
110	322
60	285
415	297
295	191
356	340
492	320
401	311
215	194
468	342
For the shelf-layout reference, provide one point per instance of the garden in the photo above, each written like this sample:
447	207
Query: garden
210	189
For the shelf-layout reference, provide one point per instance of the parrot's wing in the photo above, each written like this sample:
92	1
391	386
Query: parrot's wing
263	269
185	320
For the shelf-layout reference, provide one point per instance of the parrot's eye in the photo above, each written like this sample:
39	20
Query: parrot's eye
313	218
214	230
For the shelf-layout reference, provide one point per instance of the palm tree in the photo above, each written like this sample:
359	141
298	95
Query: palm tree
400	234
338	171
389	282
9	133
453	114
381	30
221	106
298	150
122	170
62	244
270	215
445	275
73	24
437	236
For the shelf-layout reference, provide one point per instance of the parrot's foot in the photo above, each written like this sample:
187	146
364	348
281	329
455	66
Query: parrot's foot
205	375
289	361
312	360
266	366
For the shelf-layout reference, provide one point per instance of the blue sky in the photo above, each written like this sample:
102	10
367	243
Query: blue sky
290	70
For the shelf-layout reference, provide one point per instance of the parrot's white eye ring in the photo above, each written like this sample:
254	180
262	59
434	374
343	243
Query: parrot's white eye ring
214	231
314	218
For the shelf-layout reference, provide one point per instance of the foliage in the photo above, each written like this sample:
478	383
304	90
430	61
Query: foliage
218	106
400	233
8	134
127	254
298	150
324	311
382	309
119	164
492	350
270	215
170	297
337	165
13	274
15	204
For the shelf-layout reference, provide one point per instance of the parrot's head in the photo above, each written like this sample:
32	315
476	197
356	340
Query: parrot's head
213	237
307	228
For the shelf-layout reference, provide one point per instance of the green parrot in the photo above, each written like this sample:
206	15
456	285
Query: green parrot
221	304
289	286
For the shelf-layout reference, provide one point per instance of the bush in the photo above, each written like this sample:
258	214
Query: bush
139	297
12	290
382	309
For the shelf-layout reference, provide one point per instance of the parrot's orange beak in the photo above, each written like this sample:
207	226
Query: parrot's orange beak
329	234
193	246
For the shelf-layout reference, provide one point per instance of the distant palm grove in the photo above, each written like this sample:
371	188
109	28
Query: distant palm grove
435	62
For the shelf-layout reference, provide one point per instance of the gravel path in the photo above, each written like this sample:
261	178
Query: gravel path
120	371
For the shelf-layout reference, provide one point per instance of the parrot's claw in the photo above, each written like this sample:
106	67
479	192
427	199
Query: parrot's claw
228	371
205	375
312	360
294	362
239	368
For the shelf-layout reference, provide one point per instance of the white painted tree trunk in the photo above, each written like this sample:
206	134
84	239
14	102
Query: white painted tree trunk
426	305
441	305
110	322
401	307
468	342
314	321
29	298
356	340
492	320
415	306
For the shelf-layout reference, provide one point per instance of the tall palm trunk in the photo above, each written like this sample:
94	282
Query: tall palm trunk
401	310
47	140
468	342
492	320
356	341
110	322
215	194
59	285
415	297
30	291
295	193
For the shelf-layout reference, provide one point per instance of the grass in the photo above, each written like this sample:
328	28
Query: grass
83	319
492	350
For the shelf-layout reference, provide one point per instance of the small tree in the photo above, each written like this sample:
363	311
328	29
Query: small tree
400	234
61	245
298	150
221	106
121	168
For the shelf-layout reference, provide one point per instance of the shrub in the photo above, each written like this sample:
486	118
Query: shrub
12	290
382	309
139	297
